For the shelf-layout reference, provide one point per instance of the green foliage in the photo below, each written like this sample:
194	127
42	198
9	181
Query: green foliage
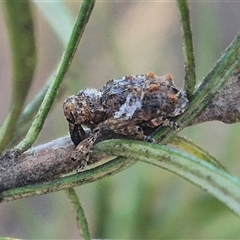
66	60
133	204
24	62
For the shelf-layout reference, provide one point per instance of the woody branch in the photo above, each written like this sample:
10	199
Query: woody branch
51	160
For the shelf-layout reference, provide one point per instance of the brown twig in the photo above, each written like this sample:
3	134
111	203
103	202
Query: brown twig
51	160
38	164
225	106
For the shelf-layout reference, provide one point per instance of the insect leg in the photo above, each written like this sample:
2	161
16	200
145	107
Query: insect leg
81	152
77	133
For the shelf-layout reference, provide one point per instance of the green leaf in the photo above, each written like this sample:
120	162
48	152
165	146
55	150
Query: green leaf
222	185
216	78
87	176
22	39
62	24
188	50
78	29
192	148
78	210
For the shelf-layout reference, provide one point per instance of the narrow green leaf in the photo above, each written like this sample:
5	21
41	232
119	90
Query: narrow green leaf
62	26
188	50
78	29
216	78
192	148
27	116
222	185
22	40
209	177
107	169
78	210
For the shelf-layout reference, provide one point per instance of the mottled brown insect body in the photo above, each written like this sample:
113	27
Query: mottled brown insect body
126	105
141	98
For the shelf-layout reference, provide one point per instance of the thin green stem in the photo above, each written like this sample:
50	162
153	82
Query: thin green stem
27	116
188	50
219	183
79	212
78	29
204	174
216	78
29	112
107	169
22	40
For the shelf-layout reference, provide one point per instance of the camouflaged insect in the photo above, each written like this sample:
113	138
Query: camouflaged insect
127	105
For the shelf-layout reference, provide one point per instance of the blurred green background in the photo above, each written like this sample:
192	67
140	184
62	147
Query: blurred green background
125	38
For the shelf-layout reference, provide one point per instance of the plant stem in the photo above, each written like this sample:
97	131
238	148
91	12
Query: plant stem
30	110
22	40
27	116
215	79
78	210
87	176
78	29
219	183
188	50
